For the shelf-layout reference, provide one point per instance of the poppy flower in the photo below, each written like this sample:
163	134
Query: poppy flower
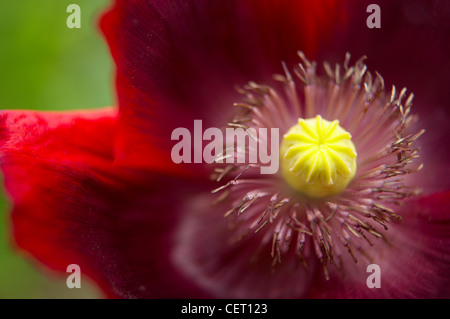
101	190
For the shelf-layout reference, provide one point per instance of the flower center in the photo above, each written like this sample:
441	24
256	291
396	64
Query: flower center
331	210
317	157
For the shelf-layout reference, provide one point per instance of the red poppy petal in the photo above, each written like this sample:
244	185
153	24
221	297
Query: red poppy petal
228	266
44	158
409	50
73	205
417	264
178	61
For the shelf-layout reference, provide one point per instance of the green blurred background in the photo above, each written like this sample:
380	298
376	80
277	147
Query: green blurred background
44	65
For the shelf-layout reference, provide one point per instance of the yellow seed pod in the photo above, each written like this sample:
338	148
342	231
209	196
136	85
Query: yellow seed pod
318	157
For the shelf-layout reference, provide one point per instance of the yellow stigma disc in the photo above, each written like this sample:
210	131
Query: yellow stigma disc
318	157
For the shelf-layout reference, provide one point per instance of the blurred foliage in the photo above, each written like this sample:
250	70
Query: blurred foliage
44	65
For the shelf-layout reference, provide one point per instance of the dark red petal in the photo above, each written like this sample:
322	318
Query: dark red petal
44	157
410	50
73	205
180	60
209	251
416	266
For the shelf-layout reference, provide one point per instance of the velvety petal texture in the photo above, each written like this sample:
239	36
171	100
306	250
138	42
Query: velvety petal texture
208	251
72	205
410	50
181	60
415	262
50	161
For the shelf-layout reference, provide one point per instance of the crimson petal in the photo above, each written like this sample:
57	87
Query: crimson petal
417	264
409	50
73	205
180	60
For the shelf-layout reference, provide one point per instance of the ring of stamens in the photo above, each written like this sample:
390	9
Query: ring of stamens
347	224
